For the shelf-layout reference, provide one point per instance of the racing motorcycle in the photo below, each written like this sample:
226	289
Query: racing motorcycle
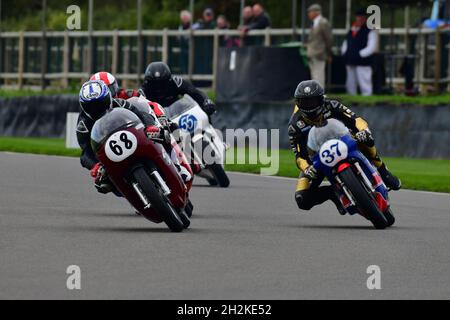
140	169
355	180
201	139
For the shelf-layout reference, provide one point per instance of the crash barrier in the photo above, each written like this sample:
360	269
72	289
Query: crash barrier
400	130
260	74
37	116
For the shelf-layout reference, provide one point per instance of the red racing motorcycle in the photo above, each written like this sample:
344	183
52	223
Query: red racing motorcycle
141	169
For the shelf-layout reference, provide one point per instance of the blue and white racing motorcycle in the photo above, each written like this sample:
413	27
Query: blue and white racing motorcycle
355	180
201	141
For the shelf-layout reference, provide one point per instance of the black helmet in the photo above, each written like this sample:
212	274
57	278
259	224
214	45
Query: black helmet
95	99
309	97
157	78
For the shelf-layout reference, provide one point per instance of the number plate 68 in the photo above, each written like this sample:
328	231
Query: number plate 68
332	152
120	146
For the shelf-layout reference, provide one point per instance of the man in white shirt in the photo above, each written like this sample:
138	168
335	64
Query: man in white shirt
319	44
358	49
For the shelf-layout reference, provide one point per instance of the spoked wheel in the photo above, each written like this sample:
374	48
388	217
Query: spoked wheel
363	199
175	221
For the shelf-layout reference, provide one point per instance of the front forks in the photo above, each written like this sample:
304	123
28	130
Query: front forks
161	183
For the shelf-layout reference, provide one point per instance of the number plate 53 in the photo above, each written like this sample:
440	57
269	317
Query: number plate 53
332	152
120	146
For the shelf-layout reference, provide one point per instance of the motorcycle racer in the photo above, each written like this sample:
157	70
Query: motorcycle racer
95	100
159	111
313	109
162	87
113	86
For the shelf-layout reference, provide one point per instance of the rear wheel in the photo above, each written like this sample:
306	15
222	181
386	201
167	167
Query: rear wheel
363	200
158	201
220	175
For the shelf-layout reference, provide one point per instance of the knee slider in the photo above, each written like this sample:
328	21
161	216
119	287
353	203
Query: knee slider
303	201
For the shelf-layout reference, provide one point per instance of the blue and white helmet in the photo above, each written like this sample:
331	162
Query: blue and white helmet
95	98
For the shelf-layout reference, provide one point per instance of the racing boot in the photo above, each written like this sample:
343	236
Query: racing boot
338	203
391	181
185	175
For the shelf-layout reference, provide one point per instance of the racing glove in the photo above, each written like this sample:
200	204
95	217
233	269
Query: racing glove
209	107
364	136
157	134
310	173
153	132
101	181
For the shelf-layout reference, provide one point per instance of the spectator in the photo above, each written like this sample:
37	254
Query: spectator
185	20
226	41
247	15
257	19
185	24
204	45
358	49
319	43
247	18
261	19
207	21
222	22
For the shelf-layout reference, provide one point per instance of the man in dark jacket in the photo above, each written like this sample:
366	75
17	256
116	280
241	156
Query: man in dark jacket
162	87
255	18
358	49
261	19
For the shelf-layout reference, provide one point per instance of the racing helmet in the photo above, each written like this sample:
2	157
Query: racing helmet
109	80
156	79
310	100
95	99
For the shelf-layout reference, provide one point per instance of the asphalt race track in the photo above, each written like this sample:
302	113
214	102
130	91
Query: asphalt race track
245	242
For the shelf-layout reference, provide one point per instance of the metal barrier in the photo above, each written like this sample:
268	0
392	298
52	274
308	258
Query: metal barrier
58	58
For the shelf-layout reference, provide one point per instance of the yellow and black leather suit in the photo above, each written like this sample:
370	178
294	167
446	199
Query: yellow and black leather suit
299	128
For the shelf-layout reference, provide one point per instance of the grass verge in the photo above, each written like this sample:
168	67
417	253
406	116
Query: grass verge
417	174
441	99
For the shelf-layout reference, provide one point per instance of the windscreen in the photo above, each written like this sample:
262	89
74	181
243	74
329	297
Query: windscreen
180	106
334	129
114	120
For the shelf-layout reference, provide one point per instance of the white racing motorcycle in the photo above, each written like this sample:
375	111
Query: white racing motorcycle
197	134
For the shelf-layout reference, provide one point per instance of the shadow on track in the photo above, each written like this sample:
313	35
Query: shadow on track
355	227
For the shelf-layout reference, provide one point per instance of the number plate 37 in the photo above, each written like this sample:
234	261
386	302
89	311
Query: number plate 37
120	146
332	152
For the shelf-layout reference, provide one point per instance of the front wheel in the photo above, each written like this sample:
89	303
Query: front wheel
389	217
158	201
363	200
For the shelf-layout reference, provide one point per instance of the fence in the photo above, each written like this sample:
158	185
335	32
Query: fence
58	58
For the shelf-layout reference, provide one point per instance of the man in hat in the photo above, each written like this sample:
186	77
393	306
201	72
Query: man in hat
319	43
358	49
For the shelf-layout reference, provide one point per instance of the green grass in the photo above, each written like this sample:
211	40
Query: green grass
29	93
443	99
418	174
37	146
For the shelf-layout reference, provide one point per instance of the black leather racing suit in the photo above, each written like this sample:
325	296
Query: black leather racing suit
85	124
177	87
311	192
